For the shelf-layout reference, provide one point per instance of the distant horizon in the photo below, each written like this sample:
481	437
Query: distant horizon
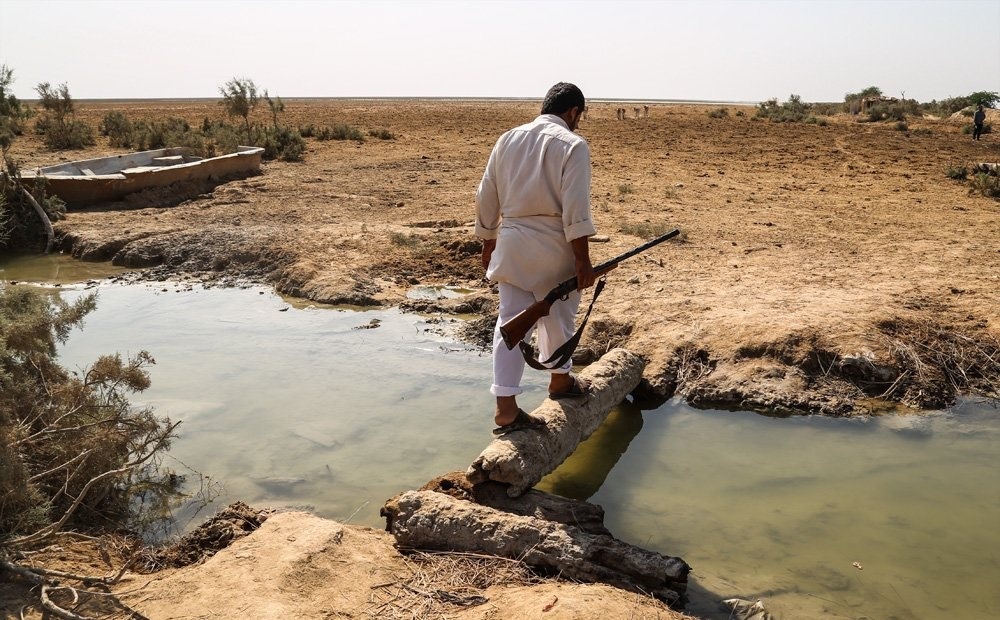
415	98
432	98
666	50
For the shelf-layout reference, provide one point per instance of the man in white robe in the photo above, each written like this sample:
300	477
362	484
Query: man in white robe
533	214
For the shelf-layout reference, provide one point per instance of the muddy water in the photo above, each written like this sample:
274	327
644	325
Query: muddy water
293	405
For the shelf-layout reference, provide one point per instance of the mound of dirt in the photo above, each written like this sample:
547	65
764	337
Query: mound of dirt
227	526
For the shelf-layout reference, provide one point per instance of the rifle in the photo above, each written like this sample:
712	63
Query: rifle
514	330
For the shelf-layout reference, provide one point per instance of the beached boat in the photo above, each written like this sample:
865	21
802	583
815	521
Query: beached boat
106	179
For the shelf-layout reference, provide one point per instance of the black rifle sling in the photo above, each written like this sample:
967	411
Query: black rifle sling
563	354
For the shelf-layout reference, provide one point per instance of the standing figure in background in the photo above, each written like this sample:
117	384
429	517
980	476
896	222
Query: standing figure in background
977	122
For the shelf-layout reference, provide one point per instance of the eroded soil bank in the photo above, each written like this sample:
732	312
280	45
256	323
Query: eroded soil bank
829	269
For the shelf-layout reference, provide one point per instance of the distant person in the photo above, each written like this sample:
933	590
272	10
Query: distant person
533	214
977	122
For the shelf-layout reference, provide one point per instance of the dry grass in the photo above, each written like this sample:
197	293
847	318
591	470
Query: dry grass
691	366
937	364
443	581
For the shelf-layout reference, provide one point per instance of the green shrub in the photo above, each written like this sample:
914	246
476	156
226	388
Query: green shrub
957	172
12	112
72	445
718	113
70	135
792	111
901	126
625	188
922	131
239	98
965	105
827	109
645	230
986	184
61	130
118	129
226	138
404	240
282	143
340	132
381	134
20	227
968	129
172	131
307	131
887	112
740	113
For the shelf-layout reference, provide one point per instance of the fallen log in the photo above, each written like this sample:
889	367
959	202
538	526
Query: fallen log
534	503
521	458
432	520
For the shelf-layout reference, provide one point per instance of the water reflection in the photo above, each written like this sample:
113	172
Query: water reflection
53	269
585	471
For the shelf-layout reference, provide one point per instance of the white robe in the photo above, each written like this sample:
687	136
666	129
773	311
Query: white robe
534	199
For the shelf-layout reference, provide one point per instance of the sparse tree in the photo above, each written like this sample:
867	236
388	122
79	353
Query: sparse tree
276	105
239	98
985	98
75	452
12	111
61	130
871	91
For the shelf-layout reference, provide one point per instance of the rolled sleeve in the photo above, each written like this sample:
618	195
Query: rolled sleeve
577	221
488	204
580	229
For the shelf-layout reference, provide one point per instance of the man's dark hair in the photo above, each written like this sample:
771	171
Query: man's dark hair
561	98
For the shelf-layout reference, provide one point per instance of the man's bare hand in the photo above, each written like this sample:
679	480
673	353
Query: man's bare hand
585	275
488	246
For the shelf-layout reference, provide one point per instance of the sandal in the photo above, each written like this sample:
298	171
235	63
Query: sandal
579	389
523	421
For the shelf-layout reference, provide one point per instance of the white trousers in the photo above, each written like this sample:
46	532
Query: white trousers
553	331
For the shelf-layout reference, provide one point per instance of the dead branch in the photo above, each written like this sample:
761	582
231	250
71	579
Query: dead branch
48	530
73	460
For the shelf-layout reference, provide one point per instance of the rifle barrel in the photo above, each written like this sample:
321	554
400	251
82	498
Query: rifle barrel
611	262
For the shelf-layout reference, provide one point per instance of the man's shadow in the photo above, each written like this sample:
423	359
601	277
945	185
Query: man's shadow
581	475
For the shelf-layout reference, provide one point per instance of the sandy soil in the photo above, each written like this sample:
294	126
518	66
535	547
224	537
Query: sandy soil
817	268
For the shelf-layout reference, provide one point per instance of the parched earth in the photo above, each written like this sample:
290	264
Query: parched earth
830	269
822	268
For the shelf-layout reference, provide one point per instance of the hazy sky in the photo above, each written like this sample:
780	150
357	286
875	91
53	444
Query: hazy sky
666	49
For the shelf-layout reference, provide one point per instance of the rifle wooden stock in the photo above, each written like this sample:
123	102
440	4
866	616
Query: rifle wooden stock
514	330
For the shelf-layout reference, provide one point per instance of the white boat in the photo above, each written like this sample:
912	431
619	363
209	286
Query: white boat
107	179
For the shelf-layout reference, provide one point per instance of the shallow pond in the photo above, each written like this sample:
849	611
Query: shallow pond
287	404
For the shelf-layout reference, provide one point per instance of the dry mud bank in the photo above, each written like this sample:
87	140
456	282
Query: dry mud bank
820	266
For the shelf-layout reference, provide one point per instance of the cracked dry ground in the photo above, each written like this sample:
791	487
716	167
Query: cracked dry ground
819	266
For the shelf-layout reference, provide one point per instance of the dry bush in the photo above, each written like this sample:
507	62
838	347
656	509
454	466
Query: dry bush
77	454
938	363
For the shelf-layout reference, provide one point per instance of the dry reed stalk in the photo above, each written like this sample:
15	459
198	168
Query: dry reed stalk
442	582
938	363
